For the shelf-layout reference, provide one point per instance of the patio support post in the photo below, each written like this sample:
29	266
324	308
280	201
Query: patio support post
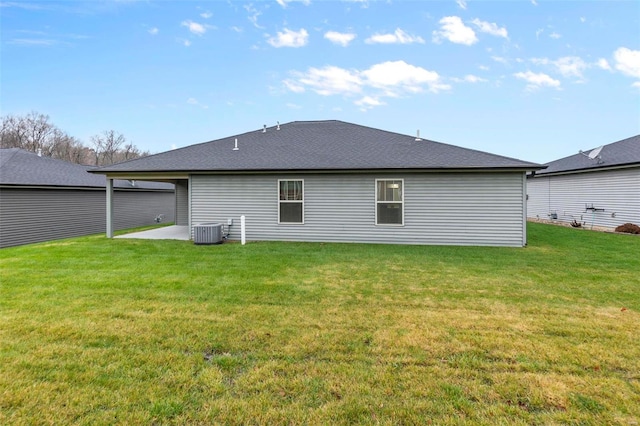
109	208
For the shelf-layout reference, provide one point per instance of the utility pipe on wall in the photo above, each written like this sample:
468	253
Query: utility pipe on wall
242	230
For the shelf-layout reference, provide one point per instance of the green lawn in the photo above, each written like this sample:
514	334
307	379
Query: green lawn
97	331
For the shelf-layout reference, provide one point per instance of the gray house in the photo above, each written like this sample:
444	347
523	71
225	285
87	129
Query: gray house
336	181
43	199
599	187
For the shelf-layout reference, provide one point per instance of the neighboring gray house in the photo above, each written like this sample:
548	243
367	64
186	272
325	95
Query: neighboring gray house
341	182
43	199
599	187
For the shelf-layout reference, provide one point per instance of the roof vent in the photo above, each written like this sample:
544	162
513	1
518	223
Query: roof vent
235	145
264	128
418	136
278	128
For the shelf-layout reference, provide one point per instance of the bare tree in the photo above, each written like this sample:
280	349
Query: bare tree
34	132
106	146
69	149
112	147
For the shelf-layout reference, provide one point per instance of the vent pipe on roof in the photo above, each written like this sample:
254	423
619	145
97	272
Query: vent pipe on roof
278	128
418	136
235	145
264	128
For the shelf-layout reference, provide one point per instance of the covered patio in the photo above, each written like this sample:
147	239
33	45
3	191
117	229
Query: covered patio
174	232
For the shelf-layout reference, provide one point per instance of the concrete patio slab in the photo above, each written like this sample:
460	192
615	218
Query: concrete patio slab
174	232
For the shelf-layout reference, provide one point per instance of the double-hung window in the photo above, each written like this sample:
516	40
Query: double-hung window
290	201
389	202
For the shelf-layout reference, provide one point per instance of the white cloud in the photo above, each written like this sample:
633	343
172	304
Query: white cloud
570	66
289	38
554	35
636	85
33	42
534	2
386	79
343	39
236	29
194	101
186	43
627	61
483	67
536	81
363	3
603	64
293	106
397	37
194	27
368	102
283	3
462	4
470	78
500	59
253	15
583	19
294	86
538	32
329	80
398	76
454	30
153	31
490	28
206	15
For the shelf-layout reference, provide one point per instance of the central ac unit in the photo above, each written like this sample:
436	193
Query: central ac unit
208	233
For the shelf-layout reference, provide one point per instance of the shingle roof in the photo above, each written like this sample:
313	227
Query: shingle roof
318	145
621	153
20	167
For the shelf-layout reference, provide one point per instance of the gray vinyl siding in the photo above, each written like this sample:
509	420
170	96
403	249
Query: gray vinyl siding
439	208
133	209
182	202
36	215
538	198
615	191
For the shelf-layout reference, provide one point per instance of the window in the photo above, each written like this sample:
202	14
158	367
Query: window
291	201
389	202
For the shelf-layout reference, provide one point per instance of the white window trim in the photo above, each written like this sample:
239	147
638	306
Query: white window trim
285	201
387	202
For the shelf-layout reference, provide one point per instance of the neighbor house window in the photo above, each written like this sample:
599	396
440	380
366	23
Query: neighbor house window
389	202
291	201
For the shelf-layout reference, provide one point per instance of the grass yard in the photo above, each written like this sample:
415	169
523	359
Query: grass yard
97	331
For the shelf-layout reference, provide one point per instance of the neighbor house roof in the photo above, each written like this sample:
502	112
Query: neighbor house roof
617	154
20	167
318	146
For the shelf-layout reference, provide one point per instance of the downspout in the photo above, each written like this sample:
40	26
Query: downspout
189	205
524	209
109	208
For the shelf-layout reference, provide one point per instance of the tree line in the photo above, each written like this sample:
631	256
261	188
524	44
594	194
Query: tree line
34	132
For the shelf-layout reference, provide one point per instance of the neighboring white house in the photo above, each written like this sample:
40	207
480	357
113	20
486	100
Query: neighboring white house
599	187
43	199
340	182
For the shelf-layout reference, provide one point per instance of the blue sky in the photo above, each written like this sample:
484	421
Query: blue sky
535	80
